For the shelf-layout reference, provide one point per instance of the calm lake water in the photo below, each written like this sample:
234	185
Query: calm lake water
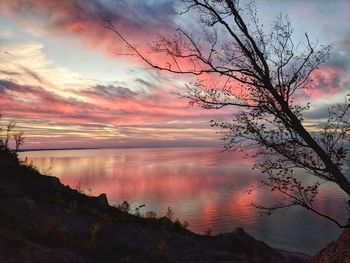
204	186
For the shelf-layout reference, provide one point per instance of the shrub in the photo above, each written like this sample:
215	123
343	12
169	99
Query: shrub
170	213
151	214
124	206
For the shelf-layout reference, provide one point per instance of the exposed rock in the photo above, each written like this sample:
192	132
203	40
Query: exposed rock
102	199
55	182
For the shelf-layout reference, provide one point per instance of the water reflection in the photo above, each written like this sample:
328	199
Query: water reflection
204	186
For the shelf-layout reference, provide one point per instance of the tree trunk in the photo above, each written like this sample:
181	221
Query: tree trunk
333	169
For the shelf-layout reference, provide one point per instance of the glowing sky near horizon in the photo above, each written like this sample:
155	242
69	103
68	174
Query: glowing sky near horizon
67	82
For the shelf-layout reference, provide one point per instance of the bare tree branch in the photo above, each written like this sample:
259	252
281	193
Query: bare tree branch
262	75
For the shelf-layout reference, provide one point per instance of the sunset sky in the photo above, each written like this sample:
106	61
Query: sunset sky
67	81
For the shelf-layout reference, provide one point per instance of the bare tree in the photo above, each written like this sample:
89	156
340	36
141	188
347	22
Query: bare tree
2	144
261	75
19	140
7	133
9	128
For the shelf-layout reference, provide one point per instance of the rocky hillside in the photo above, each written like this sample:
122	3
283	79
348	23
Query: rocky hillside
42	220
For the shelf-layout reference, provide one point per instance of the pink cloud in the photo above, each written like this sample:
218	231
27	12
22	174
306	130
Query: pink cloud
35	102
140	21
120	117
326	81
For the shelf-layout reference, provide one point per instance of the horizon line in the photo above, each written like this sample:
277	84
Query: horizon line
116	147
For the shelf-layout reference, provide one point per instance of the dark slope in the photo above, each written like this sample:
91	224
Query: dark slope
42	220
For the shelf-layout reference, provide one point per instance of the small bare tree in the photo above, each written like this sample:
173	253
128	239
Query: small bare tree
9	128
7	134
261	75
19	140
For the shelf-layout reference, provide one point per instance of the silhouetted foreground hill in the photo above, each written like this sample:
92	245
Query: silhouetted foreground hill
42	220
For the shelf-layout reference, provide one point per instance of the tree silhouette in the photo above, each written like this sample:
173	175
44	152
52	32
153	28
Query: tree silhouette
262	75
6	133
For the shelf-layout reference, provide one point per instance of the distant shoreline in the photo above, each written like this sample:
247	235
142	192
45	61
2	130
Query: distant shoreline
125	147
56	149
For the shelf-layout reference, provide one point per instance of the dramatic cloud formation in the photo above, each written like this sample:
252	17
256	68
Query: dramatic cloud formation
65	79
84	20
122	112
